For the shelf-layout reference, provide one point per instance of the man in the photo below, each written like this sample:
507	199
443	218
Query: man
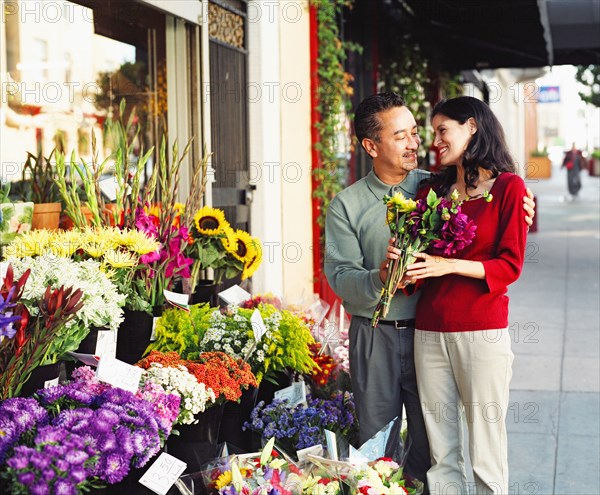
381	358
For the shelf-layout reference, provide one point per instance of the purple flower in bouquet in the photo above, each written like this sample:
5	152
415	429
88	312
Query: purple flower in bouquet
416	226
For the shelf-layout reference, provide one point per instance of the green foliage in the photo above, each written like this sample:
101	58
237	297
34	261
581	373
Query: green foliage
333	104
405	72
589	76
181	331
539	153
39	180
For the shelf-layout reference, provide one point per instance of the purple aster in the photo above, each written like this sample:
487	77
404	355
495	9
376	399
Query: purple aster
113	468
50	434
27	478
63	487
40	488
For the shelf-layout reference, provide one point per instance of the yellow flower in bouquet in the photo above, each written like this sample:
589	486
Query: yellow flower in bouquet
210	221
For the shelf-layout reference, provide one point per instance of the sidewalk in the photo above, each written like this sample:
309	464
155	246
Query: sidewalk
553	418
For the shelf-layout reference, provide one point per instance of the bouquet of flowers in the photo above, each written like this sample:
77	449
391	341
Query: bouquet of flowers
84	434
224	376
215	244
27	338
282	422
101	301
195	396
417	225
120	253
383	476
267	473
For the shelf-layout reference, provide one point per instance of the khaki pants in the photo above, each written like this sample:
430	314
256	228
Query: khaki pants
465	376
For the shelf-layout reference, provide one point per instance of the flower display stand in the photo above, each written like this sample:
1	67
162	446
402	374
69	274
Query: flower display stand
134	335
235	414
40	377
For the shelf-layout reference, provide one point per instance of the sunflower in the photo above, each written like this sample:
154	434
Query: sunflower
243	245
210	221
253	258
226	478
229	241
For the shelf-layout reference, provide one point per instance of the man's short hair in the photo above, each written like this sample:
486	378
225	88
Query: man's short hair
366	122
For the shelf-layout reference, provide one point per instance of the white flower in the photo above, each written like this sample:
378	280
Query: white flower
195	396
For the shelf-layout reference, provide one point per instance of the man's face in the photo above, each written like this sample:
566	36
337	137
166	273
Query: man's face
395	152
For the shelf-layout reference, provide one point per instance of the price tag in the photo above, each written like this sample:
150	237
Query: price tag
176	299
106	344
314	450
163	473
295	394
119	374
51	383
331	443
109	188
258	325
88	359
234	295
153	334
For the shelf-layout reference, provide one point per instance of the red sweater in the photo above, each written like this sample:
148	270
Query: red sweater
454	303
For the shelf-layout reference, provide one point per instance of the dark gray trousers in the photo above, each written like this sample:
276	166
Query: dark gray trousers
382	371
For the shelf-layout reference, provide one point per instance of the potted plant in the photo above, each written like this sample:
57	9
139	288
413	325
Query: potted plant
38	184
15	218
539	165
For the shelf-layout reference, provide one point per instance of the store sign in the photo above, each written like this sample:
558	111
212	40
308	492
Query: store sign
549	94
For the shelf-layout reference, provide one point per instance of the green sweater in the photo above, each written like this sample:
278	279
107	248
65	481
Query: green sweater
356	239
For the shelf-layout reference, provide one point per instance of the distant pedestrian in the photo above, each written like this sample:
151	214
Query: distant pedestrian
573	162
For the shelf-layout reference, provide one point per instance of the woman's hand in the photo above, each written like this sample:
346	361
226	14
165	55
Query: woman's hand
430	266
529	207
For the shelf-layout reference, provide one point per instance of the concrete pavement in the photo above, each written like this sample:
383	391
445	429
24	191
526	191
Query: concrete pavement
553	418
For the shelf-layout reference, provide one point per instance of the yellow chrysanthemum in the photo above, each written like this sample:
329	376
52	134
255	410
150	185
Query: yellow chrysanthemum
210	221
120	259
66	243
138	242
253	258
102	236
391	217
403	204
31	243
96	249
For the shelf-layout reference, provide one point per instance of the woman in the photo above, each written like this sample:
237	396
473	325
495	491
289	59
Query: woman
463	357
573	162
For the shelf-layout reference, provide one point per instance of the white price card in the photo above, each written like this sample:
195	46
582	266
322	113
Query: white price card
331	443
234	295
163	473
258	325
177	299
88	359
119	374
109	188
303	454
295	394
51	383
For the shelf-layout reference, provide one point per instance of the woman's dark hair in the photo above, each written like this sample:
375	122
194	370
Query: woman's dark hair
366	122
486	149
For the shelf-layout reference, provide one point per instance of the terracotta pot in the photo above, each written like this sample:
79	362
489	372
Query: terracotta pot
67	224
46	216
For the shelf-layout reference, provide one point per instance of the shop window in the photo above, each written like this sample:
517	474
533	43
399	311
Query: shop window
65	68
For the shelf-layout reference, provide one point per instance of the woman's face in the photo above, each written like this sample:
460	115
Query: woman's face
452	138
